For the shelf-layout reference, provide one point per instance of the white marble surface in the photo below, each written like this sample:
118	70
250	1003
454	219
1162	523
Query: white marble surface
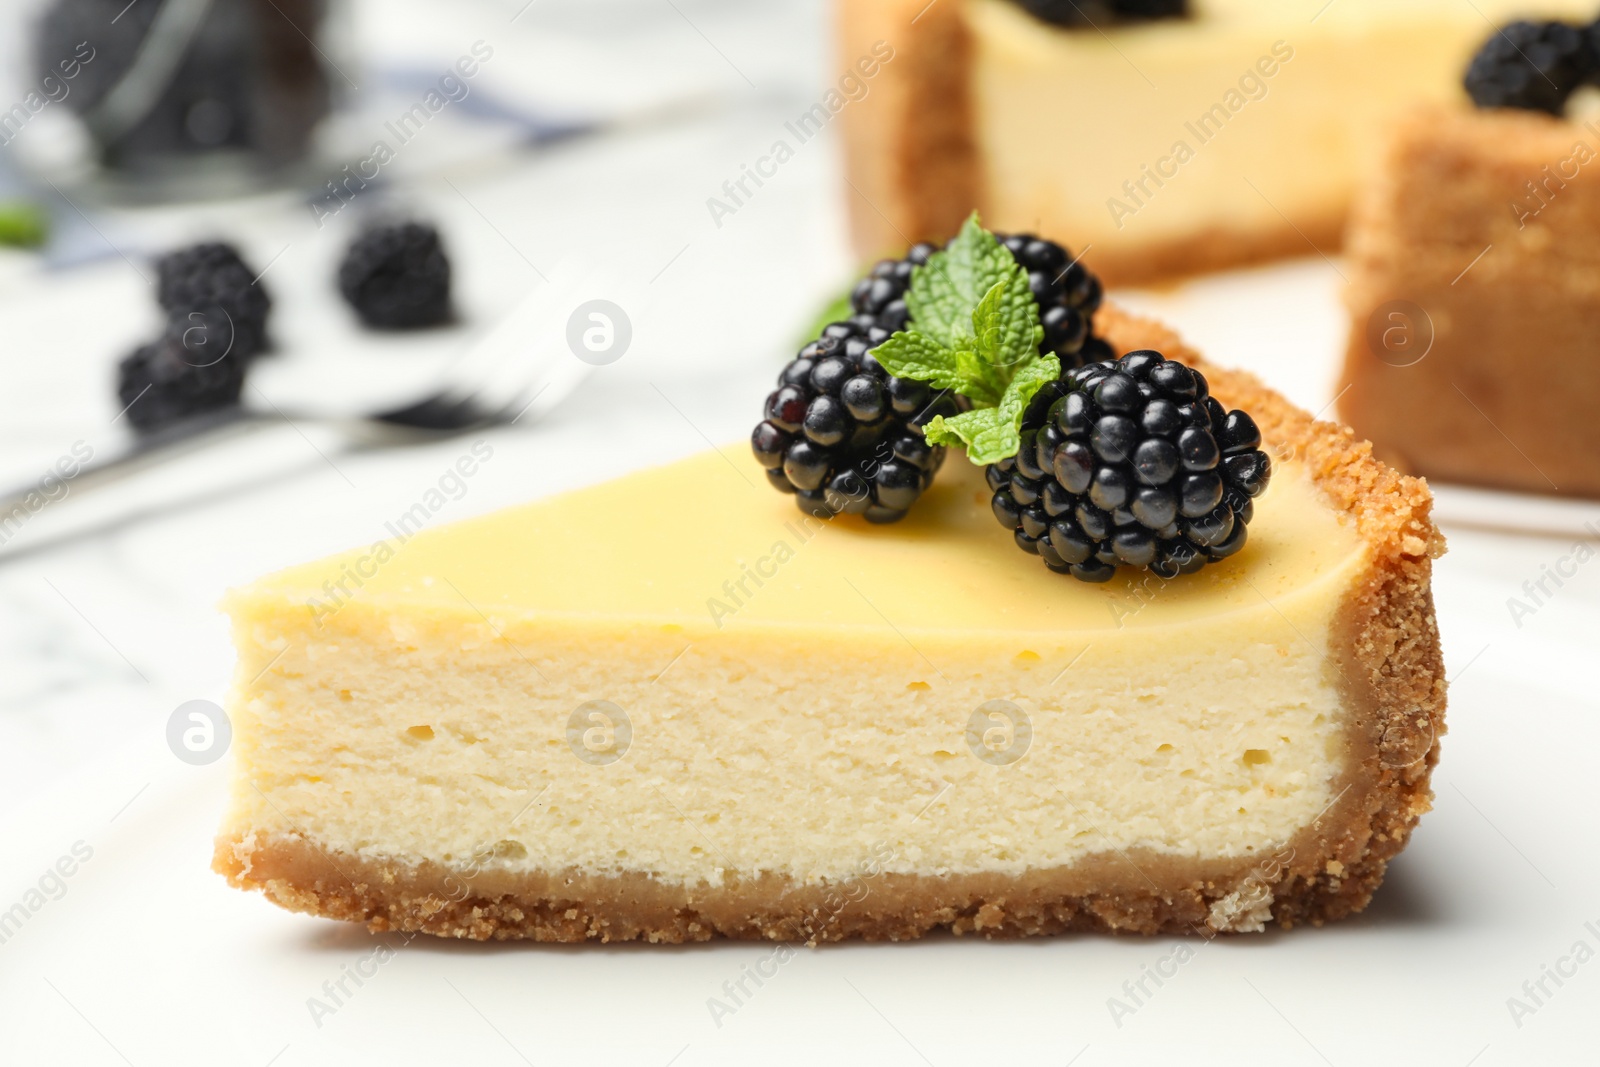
147	958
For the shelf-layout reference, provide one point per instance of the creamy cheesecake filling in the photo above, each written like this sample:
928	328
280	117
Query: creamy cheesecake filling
798	695
1244	116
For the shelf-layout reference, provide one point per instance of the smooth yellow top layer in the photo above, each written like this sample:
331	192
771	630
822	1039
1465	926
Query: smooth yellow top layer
706	544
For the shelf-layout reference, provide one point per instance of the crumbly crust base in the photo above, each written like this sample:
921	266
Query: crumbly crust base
915	173
911	161
1390	672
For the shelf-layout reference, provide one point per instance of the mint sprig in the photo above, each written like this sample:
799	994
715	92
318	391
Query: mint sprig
974	330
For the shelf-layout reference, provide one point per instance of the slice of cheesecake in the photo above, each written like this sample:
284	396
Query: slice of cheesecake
670	707
1474	298
1165	147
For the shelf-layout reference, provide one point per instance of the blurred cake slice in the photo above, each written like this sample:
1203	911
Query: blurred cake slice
1165	147
1475	301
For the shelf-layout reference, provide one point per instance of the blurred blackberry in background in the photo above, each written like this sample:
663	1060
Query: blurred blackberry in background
1130	463
1100	12
164	381
845	436
397	277
209	286
1532	65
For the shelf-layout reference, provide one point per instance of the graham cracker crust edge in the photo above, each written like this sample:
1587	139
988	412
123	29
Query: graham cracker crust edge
1391	672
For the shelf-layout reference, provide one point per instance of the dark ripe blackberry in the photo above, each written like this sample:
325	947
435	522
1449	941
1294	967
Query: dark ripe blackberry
1130	464
210	282
165	381
1068	294
1531	65
397	277
881	296
1099	12
843	435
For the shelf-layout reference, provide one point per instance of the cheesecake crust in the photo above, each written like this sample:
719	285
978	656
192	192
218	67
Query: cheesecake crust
910	156
1475	234
1390	673
915	173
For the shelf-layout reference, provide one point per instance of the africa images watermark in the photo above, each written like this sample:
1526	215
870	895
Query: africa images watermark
1538	992
53	486
1205	127
1539	591
51	885
737	589
50	90
357	572
336	992
454	86
852	88
853	889
1552	178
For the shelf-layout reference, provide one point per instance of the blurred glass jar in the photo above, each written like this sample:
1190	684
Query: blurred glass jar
186	98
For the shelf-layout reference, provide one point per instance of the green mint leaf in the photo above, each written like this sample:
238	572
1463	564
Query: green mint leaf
912	354
944	290
994	433
985	433
975	329
1029	379
23	224
1006	325
980	385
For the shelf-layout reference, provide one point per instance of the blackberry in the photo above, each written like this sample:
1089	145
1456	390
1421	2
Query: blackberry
1098	12
879	299
843	435
1131	463
209	284
397	277
1067	292
1531	65
169	380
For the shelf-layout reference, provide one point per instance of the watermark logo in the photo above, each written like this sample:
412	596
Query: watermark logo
599	332
1400	332
198	732
1409	747
199	349
599	732
999	732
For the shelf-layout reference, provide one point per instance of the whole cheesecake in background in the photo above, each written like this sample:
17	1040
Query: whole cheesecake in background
776	726
1474	280
1165	146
